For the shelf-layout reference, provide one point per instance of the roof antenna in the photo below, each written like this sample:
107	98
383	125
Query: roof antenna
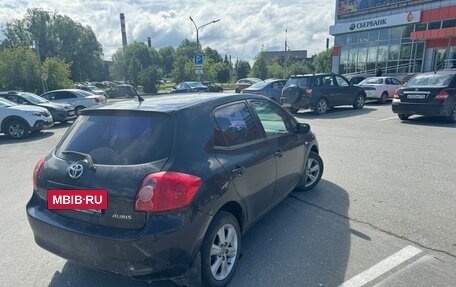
140	99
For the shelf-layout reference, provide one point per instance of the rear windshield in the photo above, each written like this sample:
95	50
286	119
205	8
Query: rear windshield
300	82
120	139
431	79
259	85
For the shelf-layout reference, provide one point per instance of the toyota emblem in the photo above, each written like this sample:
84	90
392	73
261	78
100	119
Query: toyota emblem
75	170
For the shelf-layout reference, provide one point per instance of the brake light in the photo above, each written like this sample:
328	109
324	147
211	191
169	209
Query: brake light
443	95
163	191
396	95
36	173
308	92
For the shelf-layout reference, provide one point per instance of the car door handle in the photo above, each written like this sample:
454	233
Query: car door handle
278	153
238	171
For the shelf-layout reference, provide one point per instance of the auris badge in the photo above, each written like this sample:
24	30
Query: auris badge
75	170
352	27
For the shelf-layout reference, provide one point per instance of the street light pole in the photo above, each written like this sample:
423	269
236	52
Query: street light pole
197	28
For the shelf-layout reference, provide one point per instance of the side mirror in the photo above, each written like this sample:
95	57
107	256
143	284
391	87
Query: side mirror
303	128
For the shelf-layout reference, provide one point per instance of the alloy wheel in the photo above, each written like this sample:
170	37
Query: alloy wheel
223	251
16	130
312	171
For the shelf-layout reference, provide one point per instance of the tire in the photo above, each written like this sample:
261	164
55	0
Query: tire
383	98
403	117
226	257
359	102
452	117
78	109
293	94
314	171
17	129
321	106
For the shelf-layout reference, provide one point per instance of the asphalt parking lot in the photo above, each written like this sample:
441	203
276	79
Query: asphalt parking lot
383	215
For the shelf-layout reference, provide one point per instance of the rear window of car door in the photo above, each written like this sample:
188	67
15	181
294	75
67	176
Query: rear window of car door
235	125
274	120
64	95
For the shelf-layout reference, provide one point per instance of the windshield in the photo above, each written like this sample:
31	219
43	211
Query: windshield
372	81
431	79
4	103
34	98
119	139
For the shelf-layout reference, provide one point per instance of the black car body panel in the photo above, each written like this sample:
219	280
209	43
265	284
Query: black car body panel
250	173
427	94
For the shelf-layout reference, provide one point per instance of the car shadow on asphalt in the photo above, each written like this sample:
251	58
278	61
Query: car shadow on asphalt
304	241
335	113
428	121
5	140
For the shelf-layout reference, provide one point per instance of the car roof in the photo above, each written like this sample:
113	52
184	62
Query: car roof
172	103
310	75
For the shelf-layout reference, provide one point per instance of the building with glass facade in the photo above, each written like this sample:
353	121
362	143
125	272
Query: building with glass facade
400	36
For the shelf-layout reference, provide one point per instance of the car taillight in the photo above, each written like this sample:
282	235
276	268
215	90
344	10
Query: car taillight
36	173
443	95
163	191
396	95
308	92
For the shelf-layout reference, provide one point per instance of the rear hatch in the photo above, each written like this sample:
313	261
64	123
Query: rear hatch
294	89
124	148
423	88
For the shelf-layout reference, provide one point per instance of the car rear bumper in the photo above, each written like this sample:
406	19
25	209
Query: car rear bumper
165	248
304	103
425	109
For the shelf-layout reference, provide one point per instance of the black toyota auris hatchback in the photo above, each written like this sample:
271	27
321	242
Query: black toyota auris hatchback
183	178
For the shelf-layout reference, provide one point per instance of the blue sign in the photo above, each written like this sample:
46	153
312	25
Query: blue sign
198	59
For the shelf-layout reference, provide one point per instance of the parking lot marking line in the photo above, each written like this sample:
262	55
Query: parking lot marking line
382	267
387	119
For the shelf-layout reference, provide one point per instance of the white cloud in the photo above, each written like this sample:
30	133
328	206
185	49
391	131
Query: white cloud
245	27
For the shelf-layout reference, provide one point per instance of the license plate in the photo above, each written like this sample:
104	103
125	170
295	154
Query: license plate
416	97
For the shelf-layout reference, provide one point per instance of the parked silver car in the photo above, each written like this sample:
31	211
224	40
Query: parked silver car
79	99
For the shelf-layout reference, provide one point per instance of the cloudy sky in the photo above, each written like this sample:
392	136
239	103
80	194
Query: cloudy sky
245	27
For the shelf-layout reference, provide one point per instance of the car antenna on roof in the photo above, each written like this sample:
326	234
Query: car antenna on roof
140	99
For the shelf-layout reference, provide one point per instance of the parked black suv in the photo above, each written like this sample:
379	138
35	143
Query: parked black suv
428	94
320	92
179	195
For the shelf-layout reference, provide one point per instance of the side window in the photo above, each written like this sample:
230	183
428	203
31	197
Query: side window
49	96
274	120
396	82
328	81
235	125
64	95
388	81
341	82
14	99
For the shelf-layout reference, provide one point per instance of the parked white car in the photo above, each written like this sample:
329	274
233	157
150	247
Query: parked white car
16	121
380	88
79	99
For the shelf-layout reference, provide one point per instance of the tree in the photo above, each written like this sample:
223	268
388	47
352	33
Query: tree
322	61
242	69
167	55
260	67
300	68
149	78
275	70
56	35
19	70
58	73
183	69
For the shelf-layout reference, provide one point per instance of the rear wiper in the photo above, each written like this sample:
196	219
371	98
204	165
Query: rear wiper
87	157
